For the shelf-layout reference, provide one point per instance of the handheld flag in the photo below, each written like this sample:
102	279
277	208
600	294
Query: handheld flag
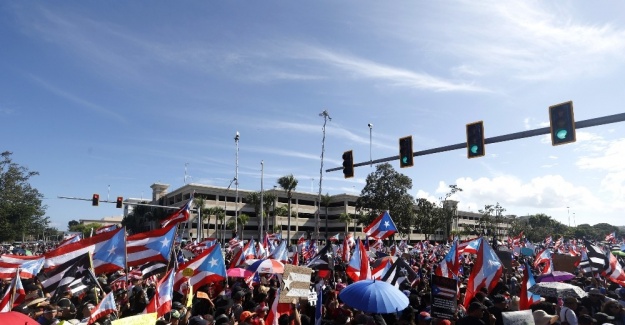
180	215
485	273
382	227
154	245
105	307
527	298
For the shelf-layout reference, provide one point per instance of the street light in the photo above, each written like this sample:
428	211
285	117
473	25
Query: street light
370	138
236	186
326	117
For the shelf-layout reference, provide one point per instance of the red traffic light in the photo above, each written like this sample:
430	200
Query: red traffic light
95	201
119	203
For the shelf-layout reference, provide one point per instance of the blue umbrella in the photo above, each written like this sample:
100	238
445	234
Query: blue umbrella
373	296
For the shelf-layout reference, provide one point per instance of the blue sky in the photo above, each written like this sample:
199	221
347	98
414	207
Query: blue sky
125	94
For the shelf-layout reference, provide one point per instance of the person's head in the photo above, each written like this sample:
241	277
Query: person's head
595	295
261	311
612	308
246	317
86	309
49	312
173	317
424	318
570	302
500	302
476	309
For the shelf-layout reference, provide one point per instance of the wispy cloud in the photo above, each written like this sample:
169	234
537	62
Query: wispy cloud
79	101
360	67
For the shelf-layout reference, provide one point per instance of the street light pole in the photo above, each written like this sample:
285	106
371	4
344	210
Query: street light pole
326	117
262	206
236	186
370	141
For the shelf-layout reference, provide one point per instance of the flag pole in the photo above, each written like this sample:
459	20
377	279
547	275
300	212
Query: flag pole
14	283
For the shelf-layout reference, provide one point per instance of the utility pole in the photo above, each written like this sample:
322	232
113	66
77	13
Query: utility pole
236	187
262	206
326	117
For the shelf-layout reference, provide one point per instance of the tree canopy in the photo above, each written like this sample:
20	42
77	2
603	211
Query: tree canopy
386	189
21	208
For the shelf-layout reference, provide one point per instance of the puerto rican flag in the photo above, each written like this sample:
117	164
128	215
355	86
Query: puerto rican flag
548	240
104	229
105	307
162	299
14	294
68	252
345	254
334	238
382	227
71	239
449	266
112	254
379	272
614	271
28	268
611	237
358	267
180	215
485	273
527	298
470	246
207	267
280	252
544	257
150	246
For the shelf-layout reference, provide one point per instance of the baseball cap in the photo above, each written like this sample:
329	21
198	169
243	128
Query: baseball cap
245	315
476	305
425	316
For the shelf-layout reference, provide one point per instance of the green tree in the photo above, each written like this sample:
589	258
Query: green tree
141	216
345	218
387	189
288	183
72	223
426	217
492	218
243	220
603	229
541	226
85	229
21	209
585	231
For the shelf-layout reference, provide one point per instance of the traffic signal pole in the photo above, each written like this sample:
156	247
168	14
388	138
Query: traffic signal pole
502	138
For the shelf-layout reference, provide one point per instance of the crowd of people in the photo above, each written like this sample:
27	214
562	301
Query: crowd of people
245	302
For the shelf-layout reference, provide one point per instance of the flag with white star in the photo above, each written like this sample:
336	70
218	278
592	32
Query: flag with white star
154	245
324	260
207	267
111	256
382	227
75	275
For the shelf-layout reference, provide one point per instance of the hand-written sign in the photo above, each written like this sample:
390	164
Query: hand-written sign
295	283
444	295
523	317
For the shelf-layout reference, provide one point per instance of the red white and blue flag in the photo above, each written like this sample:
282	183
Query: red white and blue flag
68	252
358	267
280	252
28	268
14	294
207	267
544	257
111	256
527	298
105	307
162	299
380	271
382	227
104	229
449	266
469	246
614	271
181	215
485	273
611	237
150	246
71	239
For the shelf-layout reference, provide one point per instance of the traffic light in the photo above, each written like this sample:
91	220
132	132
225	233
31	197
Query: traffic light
119	202
348	164
475	140
405	152
562	123
95	201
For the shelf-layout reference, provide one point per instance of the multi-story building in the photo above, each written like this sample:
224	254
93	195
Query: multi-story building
303	207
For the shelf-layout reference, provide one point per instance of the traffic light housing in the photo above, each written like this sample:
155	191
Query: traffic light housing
119	203
562	123
405	152
95	201
348	164
475	140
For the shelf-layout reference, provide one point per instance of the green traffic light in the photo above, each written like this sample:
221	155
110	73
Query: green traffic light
404	160
474	149
561	134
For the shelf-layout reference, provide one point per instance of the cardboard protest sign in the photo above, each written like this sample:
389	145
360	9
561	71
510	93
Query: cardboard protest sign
295	283
566	263
523	317
444	295
146	319
506	259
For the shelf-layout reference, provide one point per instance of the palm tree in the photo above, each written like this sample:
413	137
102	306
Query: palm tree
214	211
199	204
243	220
288	183
325	201
254	199
268	202
346	218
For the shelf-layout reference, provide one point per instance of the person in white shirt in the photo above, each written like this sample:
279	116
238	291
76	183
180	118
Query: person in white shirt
567	313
